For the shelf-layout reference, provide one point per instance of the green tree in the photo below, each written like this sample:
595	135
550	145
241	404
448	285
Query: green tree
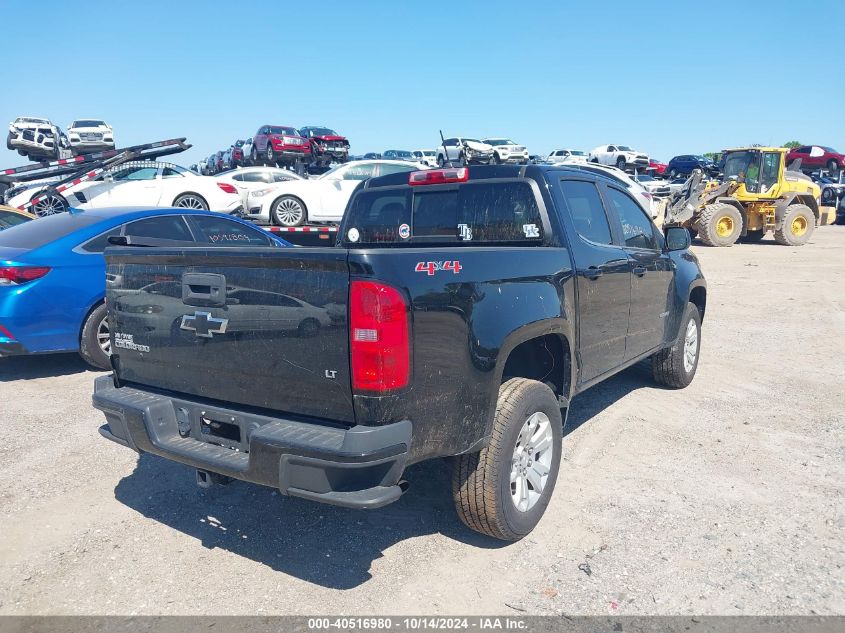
792	144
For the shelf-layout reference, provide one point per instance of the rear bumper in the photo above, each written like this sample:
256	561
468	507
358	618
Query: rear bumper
358	467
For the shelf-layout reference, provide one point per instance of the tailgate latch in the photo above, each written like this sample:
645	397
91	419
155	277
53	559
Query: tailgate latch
204	289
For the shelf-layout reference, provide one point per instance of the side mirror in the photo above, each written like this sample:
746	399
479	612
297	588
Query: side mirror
677	238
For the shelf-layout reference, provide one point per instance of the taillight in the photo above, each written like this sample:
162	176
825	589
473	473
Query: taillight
17	275
225	186
438	176
379	340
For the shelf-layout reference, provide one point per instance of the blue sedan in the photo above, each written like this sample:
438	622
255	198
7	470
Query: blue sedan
52	272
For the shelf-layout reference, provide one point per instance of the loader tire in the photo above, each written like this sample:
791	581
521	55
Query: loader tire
797	225
719	224
503	490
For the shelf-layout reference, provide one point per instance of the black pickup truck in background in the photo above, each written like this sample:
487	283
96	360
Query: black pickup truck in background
460	313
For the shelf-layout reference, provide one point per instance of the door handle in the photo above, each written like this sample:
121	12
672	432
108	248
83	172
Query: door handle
639	271
593	272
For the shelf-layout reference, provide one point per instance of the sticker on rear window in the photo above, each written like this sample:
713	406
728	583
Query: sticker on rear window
353	235
465	231
530	230
404	231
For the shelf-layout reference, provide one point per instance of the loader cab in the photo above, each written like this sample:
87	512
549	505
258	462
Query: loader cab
758	171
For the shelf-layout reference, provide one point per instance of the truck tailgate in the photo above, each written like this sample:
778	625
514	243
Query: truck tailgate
264	328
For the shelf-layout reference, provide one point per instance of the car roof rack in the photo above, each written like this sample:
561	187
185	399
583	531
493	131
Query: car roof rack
85	167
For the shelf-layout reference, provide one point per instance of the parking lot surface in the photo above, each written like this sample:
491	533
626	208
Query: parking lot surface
723	498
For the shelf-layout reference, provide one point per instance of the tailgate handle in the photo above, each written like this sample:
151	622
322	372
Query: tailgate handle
204	289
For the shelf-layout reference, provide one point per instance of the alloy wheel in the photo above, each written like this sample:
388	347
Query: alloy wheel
189	202
50	205
289	212
531	461
690	346
103	336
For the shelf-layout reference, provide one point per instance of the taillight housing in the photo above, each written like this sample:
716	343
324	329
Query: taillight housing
225	186
17	275
379	339
438	176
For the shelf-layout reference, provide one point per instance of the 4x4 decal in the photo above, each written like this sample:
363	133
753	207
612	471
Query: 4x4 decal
432	267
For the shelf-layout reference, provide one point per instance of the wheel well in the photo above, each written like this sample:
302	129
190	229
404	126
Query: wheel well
545	358
810	201
191	193
698	297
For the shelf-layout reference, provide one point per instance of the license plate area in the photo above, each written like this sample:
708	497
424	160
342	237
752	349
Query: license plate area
221	430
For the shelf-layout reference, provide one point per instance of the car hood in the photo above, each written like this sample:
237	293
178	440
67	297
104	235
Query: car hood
481	147
328	138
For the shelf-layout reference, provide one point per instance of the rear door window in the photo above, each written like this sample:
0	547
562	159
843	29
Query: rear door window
224	232
587	211
166	227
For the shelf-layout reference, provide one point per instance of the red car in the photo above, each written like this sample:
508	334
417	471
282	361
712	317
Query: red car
817	157
279	145
327	146
656	167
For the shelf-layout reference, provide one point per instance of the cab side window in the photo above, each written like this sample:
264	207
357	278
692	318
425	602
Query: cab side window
586	210
638	231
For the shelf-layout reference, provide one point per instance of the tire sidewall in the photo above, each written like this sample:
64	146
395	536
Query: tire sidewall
89	348
690	314
274	210
538	398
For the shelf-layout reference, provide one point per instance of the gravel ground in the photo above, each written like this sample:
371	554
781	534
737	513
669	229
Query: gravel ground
723	498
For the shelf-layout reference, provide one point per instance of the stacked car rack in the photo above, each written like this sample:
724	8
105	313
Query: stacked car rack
73	171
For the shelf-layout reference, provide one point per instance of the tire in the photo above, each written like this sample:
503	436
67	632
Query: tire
752	237
675	366
441	162
719	224
481	482
309	328
94	342
288	211
253	155
9	142
620	163
673	174
797	226
191	200
51	205
832	165
693	233
271	158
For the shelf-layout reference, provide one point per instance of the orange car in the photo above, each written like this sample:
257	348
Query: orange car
10	217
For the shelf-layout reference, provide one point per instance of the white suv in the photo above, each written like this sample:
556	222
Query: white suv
37	138
619	156
90	135
468	151
425	156
566	156
506	151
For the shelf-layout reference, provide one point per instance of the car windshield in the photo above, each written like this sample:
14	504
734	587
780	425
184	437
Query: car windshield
644	178
403	154
624	148
87	123
278	129
499	141
577	152
428	152
30	235
321	131
239	143
701	158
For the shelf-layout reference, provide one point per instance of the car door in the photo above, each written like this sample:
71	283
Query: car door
651	276
260	140
335	193
603	279
138	185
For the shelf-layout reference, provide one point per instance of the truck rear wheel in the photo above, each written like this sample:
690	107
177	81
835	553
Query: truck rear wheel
503	490
719	224
797	225
675	366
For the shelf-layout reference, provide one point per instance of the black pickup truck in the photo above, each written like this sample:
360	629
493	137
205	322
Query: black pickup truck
458	315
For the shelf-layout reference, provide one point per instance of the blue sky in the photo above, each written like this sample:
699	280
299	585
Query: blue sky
690	78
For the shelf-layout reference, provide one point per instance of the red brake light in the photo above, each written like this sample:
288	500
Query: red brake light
16	275
225	186
379	340
438	176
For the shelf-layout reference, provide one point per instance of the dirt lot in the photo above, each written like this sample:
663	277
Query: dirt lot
724	498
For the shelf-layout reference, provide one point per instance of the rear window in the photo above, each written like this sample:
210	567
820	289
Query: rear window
470	214
225	232
44	230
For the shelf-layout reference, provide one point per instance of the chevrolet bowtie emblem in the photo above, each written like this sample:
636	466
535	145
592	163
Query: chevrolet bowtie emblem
203	324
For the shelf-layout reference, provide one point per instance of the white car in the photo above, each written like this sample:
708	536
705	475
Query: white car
247	150
37	138
619	156
90	135
506	151
566	157
139	184
246	179
645	198
425	156
321	199
466	151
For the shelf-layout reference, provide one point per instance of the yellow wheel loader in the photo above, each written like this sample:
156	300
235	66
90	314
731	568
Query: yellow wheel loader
757	194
